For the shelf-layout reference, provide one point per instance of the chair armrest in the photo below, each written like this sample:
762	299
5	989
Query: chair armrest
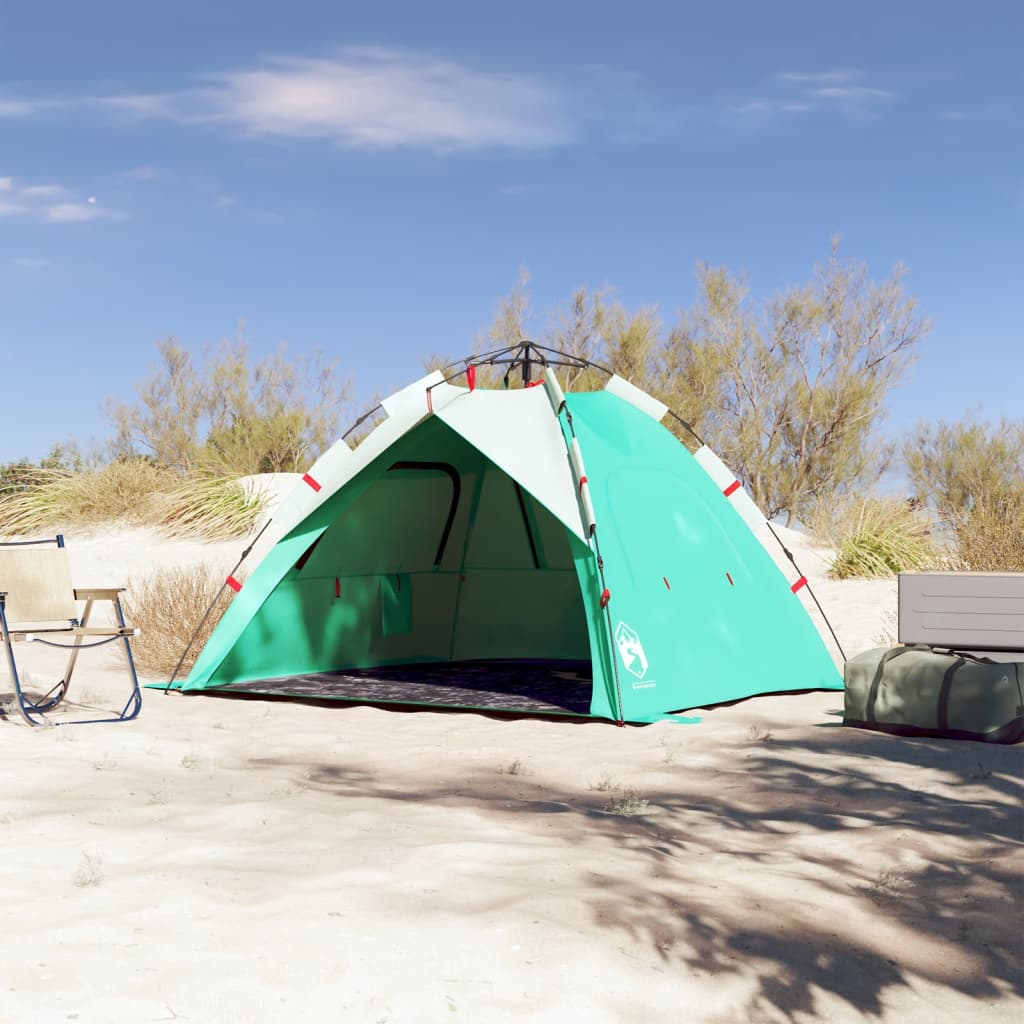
97	593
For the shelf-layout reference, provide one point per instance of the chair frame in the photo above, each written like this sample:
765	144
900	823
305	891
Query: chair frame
31	709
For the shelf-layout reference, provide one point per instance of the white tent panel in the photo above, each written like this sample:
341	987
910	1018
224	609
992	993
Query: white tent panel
738	498
520	434
631	393
405	409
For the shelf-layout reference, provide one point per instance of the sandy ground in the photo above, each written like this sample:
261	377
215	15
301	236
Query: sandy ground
225	860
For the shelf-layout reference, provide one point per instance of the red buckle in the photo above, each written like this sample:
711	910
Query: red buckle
307	479
233	584
606	596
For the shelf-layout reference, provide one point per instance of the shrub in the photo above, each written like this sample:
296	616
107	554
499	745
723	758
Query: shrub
168	608
880	537
273	415
990	537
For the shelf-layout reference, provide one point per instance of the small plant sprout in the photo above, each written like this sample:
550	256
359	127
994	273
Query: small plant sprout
89	872
888	884
191	759
515	767
628	803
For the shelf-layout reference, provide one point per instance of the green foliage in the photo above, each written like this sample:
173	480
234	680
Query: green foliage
881	537
788	391
955	466
229	415
972	476
167	417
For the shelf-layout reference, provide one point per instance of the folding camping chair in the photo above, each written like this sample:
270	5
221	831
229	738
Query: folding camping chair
39	604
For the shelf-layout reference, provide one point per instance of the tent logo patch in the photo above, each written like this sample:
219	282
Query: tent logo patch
631	650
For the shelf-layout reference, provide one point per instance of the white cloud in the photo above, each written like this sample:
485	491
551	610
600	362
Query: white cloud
30	263
374	99
841	91
44	191
50	203
139	174
834	77
851	92
71	213
144	105
17	108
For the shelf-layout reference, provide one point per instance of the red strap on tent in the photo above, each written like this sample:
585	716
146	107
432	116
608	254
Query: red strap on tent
732	488
802	582
606	596
233	584
337	587
471	377
534	383
307	479
430	402
583	480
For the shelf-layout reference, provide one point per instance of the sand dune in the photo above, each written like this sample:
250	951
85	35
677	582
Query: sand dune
225	860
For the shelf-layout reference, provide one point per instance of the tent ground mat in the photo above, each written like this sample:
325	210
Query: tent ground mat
532	687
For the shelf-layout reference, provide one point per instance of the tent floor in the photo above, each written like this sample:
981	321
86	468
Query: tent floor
536	687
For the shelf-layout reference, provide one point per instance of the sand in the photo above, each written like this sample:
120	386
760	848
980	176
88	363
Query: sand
224	860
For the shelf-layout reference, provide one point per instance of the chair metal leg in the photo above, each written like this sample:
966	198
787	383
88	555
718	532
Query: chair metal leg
26	707
29	709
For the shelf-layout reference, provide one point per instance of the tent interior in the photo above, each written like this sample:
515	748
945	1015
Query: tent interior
432	578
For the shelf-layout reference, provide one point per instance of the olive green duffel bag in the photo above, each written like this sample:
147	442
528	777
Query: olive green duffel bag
918	691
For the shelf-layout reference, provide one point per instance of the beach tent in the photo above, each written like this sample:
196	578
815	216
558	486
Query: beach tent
521	549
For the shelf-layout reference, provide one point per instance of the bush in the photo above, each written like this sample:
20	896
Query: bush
270	416
124	491
168	607
880	537
990	537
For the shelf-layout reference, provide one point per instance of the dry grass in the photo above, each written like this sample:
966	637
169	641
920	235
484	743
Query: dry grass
879	537
990	538
130	492
214	508
127	491
167	607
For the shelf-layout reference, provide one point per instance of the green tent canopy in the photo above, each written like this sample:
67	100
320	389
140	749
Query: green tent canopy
523	550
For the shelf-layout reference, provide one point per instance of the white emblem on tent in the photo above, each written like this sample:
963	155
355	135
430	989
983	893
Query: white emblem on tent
631	650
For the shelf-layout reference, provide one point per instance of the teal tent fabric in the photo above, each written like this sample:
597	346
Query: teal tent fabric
450	541
699	613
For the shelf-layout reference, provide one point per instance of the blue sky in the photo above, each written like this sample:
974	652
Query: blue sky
369	178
